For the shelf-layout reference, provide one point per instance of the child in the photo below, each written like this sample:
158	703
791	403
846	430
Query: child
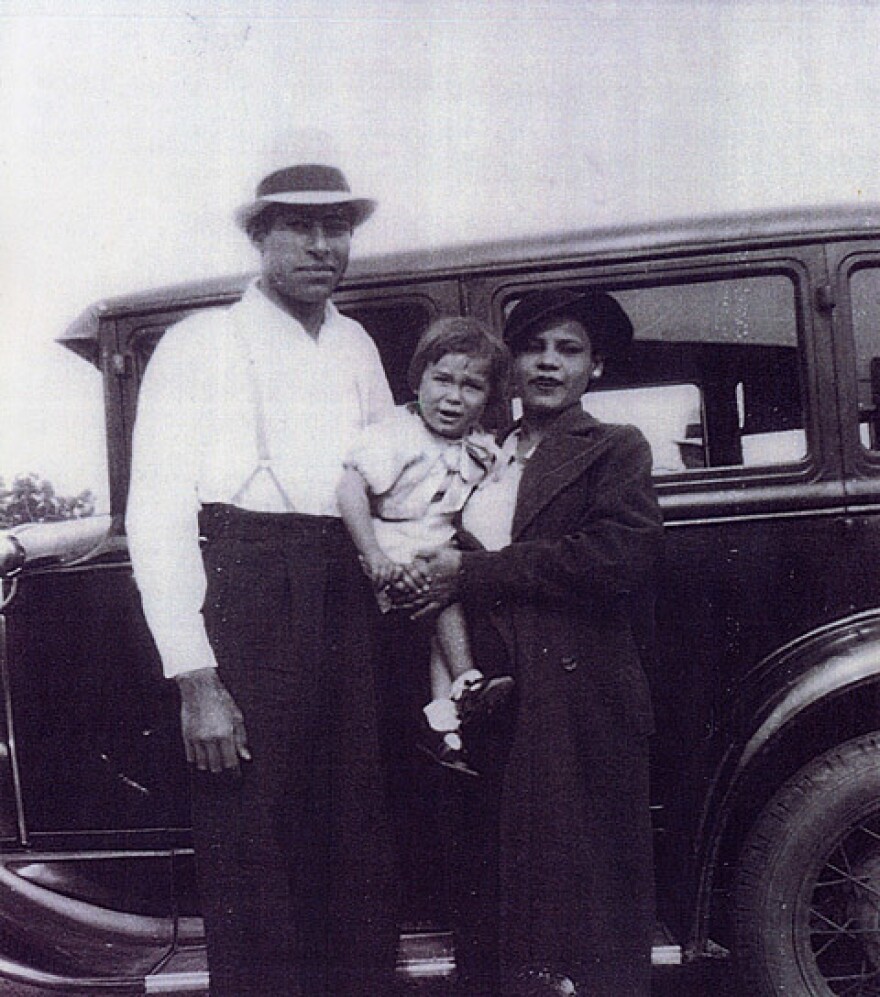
402	484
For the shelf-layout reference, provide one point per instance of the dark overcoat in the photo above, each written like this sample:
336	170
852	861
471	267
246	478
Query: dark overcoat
572	598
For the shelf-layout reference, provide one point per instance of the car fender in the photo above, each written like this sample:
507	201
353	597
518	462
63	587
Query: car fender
779	693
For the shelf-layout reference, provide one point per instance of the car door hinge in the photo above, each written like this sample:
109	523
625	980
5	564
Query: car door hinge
825	298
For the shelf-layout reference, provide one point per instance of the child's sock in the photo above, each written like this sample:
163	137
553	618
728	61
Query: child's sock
471	676
441	715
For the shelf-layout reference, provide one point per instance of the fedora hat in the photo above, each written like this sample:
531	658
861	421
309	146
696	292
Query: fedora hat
309	184
607	324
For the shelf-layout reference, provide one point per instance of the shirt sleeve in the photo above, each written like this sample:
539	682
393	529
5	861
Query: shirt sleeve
163	505
380	402
379	454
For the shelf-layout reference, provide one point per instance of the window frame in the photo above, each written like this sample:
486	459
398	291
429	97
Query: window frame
862	465
732	490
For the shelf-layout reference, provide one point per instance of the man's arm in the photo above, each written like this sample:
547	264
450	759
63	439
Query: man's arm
162	526
380	402
211	722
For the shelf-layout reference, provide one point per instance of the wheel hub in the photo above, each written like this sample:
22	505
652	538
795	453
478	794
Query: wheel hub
863	907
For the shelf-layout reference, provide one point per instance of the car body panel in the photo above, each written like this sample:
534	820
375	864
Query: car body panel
765	615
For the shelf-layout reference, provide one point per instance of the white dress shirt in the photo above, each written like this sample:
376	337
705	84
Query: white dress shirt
196	441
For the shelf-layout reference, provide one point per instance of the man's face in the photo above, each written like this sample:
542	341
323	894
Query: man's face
305	252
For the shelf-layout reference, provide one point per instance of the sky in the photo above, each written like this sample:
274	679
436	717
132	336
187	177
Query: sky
132	130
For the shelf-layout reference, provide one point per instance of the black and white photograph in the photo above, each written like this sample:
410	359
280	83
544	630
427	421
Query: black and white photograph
440	498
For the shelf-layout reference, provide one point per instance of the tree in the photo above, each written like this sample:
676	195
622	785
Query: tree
32	499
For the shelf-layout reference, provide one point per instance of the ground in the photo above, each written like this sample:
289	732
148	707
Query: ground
703	981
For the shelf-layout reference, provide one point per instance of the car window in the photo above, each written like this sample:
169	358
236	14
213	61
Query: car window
713	376
668	415
396	328
865	296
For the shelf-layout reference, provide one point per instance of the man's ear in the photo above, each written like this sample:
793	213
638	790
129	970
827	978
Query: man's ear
598	367
257	229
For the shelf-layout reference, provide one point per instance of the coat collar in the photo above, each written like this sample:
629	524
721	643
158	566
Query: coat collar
575	440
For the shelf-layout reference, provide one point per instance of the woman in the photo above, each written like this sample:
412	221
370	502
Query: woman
562	902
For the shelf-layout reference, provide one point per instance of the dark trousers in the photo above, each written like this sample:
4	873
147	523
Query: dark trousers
293	856
472	818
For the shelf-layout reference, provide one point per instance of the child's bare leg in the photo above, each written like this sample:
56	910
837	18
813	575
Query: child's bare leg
441	677
452	637
451	668
441	711
460	692
473	695
440	739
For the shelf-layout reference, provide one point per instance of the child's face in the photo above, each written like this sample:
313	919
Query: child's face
453	393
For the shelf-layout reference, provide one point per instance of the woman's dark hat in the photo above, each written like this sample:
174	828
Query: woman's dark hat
609	327
311	184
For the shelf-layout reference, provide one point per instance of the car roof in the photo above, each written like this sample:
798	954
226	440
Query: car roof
745	229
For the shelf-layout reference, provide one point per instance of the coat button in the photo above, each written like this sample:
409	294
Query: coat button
569	662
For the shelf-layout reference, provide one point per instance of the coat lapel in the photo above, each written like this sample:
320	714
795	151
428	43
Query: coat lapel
575	442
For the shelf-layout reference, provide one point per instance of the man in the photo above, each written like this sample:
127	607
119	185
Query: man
244	417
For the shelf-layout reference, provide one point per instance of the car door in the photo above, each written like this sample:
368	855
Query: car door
96	789
730	379
855	295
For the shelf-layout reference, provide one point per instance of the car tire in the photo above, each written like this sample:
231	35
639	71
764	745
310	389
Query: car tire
807	890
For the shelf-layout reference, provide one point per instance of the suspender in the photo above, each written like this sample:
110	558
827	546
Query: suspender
264	462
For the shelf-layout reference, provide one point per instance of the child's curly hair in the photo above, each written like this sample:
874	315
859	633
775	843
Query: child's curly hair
470	337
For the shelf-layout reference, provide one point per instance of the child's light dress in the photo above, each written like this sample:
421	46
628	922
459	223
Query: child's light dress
417	480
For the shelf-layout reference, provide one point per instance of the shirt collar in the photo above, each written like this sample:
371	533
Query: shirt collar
470	457
256	302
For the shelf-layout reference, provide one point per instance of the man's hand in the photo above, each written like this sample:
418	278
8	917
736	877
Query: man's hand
438	571
212	724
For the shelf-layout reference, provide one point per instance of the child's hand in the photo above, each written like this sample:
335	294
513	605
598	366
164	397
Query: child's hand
382	570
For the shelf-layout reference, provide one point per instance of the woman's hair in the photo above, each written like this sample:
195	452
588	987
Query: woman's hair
470	337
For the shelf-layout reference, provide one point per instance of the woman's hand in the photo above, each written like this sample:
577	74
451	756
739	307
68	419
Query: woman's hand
438	571
414	579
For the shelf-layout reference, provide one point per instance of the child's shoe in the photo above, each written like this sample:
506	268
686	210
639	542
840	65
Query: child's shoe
445	747
482	697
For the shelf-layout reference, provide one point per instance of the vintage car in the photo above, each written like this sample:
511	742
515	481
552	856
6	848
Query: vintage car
755	375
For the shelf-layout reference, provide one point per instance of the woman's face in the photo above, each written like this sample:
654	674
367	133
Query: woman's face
554	367
453	393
